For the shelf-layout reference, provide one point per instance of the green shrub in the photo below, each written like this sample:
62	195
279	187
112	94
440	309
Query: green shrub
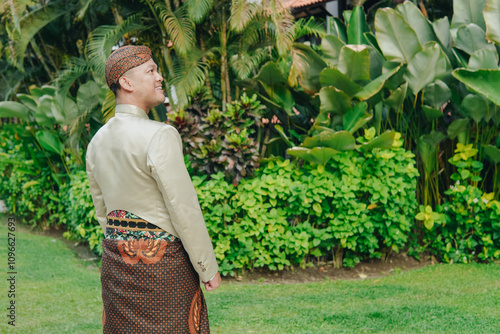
359	205
82	222
219	141
27	187
466	227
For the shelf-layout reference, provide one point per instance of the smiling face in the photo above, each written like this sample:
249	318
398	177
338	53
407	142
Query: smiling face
142	84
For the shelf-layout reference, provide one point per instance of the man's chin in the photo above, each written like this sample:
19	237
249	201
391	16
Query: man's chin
160	99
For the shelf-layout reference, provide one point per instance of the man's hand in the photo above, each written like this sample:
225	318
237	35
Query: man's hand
213	283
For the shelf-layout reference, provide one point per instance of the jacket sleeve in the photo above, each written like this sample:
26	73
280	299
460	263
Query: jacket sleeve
95	191
166	163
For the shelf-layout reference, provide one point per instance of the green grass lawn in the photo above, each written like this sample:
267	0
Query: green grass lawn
56	292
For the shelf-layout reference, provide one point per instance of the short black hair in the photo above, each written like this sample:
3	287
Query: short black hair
115	87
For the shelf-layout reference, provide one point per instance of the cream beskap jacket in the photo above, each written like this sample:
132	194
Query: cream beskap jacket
136	164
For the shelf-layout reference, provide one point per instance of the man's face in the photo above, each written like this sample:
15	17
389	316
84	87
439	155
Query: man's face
146	82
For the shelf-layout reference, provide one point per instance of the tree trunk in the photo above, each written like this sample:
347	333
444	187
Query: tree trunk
205	61
119	20
39	55
223	83
338	254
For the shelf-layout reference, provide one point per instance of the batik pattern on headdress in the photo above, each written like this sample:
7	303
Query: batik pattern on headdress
124	59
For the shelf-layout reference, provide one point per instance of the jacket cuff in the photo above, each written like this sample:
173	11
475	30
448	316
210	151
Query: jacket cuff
208	277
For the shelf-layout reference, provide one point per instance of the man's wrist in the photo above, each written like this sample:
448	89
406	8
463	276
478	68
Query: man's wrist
210	279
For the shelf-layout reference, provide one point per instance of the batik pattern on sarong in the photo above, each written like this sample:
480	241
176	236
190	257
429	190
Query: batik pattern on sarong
150	286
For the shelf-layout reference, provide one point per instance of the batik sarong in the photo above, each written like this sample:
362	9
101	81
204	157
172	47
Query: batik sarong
149	285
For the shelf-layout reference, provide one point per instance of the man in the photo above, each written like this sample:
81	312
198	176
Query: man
157	246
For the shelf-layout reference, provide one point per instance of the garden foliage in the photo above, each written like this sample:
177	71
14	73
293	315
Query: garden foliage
225	142
354	207
466	227
359	205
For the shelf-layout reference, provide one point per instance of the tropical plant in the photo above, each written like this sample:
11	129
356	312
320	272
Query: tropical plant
37	37
374	79
226	142
54	126
467	227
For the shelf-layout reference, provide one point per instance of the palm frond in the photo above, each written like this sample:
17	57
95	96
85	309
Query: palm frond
10	80
304	27
30	24
282	23
299	66
84	9
74	68
102	40
108	106
77	127
189	75
257	36
198	9
16	9
180	29
244	63
242	12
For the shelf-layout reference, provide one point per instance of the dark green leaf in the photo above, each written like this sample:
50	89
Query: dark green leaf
427	66
338	29
354	62
433	138
437	94
493	153
319	155
458	126
485	82
372	40
468	11
385	140
417	21
270	74
471	38
50	142
311	66
334	101
340	141
14	109
283	135
397	40
333	77
491	15
376	85
357	27
483	59
331	46
475	107
88	94
428	156
442	31
354	115
396	99
431	114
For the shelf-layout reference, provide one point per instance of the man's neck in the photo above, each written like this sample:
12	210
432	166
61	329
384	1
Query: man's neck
125	100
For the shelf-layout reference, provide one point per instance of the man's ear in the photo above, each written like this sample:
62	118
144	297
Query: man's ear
126	83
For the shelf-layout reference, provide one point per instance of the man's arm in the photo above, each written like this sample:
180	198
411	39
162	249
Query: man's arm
96	192
166	162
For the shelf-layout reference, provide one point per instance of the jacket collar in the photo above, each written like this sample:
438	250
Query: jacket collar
130	109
